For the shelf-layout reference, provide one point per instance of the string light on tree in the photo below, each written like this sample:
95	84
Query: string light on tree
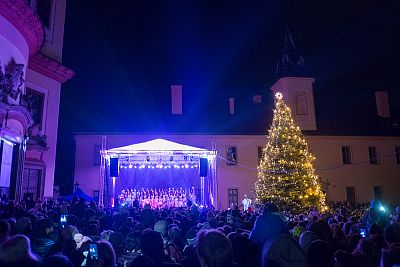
285	173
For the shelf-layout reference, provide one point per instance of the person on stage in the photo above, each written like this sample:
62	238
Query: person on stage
246	202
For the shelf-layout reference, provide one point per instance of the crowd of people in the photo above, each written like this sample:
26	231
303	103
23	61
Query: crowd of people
158	198
80	233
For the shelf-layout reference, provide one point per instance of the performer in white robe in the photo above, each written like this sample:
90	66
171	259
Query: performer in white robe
246	202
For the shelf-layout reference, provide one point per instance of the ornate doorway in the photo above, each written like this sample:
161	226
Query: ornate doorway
32	180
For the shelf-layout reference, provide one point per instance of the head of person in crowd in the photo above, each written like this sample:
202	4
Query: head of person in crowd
17	250
270	207
306	238
152	245
143	261
390	257
392	234
132	242
214	249
320	254
5	230
105	235
117	241
344	259
245	252
106	256
57	260
44	228
23	226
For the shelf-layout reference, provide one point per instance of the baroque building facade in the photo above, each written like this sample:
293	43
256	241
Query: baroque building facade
31	75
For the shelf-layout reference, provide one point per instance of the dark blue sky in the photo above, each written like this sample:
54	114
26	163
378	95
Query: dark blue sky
126	54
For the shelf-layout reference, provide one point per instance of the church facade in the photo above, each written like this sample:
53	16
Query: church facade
31	75
357	158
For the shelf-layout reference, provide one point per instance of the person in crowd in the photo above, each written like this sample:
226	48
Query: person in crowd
5	230
392	235
195	236
214	249
390	257
366	253
42	241
320	254
267	225
152	245
143	261
106	256
16	252
375	215
57	260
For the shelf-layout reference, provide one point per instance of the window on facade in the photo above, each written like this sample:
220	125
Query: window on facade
351	194
378	194
96	155
397	152
346	156
260	153
43	9
231	155
301	105
233	200
35	105
373	155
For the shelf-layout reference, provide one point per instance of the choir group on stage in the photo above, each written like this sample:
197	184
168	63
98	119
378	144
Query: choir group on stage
158	198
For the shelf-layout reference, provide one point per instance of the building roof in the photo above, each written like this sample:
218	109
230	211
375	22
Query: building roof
291	62
255	118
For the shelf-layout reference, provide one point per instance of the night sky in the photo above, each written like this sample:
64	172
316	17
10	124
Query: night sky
126	54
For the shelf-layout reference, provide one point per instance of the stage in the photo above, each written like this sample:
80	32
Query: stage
158	166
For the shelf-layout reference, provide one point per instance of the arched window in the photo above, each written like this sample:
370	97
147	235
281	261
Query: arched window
301	105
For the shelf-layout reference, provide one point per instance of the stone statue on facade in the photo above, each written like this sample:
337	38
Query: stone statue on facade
14	74
36	139
11	82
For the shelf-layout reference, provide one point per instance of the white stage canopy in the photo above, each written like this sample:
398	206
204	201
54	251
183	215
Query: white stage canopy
158	145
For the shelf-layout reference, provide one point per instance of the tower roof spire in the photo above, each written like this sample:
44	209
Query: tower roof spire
291	62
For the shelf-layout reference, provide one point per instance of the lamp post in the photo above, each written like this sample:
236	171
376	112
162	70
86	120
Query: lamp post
76	186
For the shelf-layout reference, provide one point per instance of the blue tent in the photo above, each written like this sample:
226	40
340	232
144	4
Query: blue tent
80	194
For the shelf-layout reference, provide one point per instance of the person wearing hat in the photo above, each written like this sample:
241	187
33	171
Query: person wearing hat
42	242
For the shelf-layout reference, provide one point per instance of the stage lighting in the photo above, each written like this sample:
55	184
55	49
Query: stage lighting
130	166
135	166
186	166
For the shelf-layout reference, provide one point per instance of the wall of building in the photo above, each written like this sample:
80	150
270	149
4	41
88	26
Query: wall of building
327	149
51	89
55	32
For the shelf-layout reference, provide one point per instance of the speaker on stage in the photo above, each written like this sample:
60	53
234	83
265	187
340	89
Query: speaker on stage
203	167
114	167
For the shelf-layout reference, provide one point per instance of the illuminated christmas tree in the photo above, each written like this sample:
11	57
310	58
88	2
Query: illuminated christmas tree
285	173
